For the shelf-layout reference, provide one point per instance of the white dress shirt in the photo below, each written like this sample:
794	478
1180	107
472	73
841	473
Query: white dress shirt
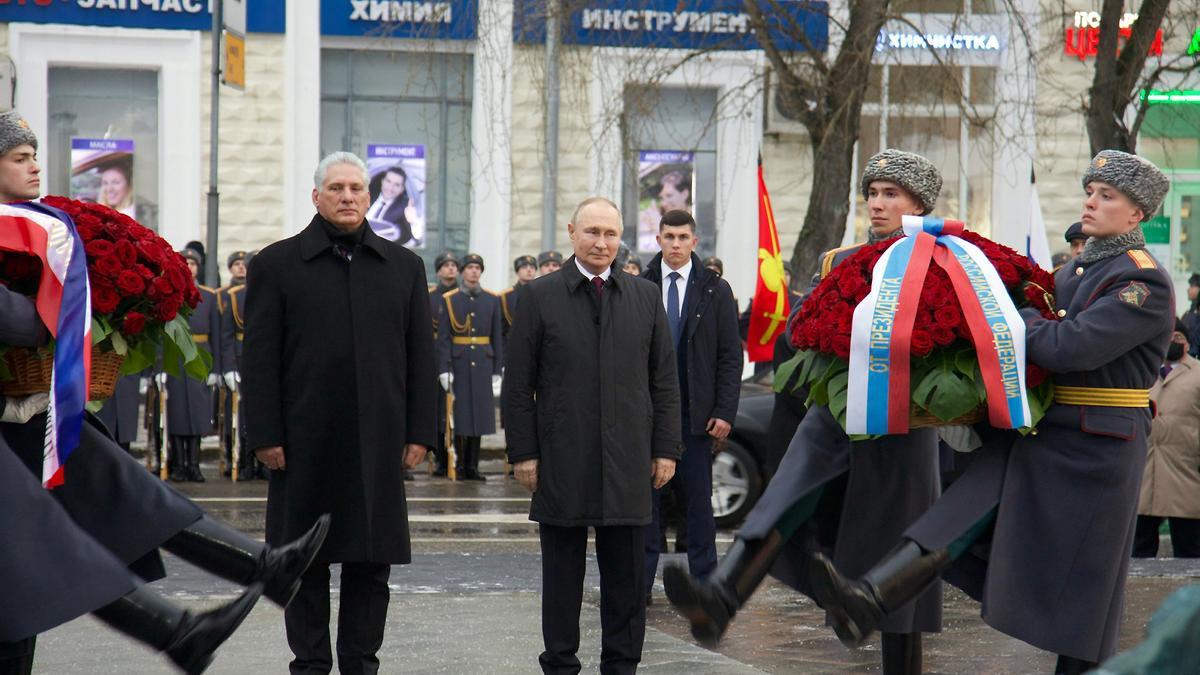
603	275
680	283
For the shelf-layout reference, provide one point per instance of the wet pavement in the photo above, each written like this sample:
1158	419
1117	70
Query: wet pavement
469	603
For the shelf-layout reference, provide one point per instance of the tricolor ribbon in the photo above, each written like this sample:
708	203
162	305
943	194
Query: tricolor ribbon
64	304
879	393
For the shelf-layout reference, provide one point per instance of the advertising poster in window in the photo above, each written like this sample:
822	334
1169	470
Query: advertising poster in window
666	181
397	174
102	173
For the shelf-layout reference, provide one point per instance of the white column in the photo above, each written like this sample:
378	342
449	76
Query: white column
302	111
491	147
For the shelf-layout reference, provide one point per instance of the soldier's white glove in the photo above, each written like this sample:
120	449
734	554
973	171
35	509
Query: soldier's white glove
496	380
143	386
161	378
213	380
231	380
446	380
20	409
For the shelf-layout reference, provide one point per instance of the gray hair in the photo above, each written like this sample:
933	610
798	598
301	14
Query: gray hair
333	159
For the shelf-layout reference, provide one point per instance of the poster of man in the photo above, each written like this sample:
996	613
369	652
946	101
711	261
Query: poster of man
397	188
666	181
102	172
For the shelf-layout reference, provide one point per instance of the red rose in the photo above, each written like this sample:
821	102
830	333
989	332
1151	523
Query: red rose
130	283
922	342
104	299
841	346
1008	273
947	316
943	337
109	265
127	253
134	323
162	287
1034	375
100	248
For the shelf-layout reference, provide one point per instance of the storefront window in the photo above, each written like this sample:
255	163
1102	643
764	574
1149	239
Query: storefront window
103	143
410	110
671	138
921	113
1170	137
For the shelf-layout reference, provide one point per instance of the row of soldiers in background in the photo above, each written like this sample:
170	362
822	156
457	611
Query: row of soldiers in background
194	409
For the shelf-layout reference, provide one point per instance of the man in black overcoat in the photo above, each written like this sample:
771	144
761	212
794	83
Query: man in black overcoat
591	405
340	394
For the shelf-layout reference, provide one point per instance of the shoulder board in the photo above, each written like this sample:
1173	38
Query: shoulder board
450	293
206	288
507	290
828	257
235	289
491	293
1142	259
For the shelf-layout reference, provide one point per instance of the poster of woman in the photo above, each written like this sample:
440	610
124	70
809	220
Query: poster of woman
666	181
102	172
397	187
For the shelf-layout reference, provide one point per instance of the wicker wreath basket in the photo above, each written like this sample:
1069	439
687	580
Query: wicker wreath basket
31	368
918	418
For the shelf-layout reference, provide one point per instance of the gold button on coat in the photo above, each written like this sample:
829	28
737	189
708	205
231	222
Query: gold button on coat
1078	271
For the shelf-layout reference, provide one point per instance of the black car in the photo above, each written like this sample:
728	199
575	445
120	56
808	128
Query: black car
739	474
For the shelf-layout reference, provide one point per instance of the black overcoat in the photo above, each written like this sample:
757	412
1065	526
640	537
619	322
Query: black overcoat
590	391
51	571
190	401
710	346
470	344
339	370
120	411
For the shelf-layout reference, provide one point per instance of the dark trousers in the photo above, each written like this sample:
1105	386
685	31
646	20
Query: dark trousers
361	616
439	451
619	553
16	658
1185	536
694	476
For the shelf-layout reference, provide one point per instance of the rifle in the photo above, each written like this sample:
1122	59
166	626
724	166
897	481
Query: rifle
234	440
221	440
451	454
162	447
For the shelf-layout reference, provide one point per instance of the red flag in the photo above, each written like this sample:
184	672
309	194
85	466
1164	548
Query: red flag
769	311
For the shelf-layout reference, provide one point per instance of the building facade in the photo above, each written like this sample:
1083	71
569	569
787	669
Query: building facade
659	107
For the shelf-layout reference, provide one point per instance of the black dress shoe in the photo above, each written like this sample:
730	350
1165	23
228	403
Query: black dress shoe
280	568
473	475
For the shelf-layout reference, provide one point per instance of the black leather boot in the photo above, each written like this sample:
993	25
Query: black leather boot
856	606
177	459
1069	665
901	653
471	464
187	639
193	460
709	605
216	547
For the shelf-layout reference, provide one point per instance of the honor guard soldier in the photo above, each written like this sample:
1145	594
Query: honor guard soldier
233	335
190	402
446	269
470	343
526	268
236	264
1060	503
549	261
888	483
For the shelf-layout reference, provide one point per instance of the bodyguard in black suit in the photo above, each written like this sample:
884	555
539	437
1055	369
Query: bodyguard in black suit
702	316
340	395
591	405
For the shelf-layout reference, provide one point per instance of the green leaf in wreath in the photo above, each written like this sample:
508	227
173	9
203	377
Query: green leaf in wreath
967	363
118	343
171	357
784	372
179	333
199	367
139	357
946	395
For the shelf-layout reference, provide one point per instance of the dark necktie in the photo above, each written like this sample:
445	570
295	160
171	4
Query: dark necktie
673	305
598	284
1165	371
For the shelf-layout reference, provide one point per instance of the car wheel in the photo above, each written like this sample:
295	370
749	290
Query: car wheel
736	484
